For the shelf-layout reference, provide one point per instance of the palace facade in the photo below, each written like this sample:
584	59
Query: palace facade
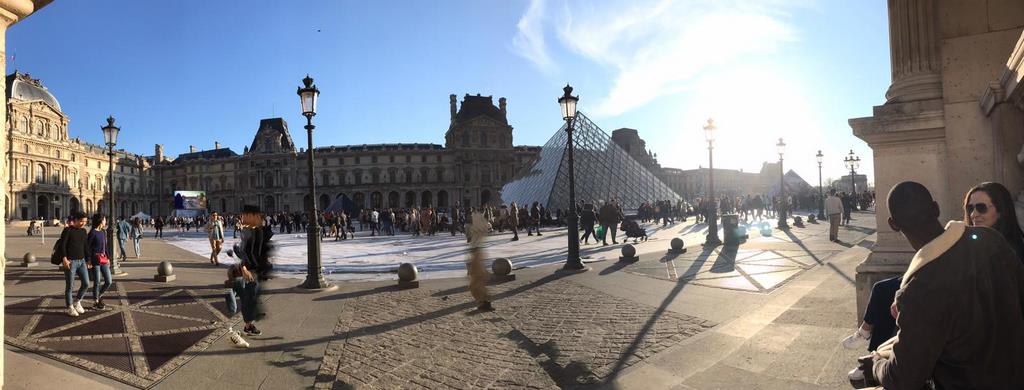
52	174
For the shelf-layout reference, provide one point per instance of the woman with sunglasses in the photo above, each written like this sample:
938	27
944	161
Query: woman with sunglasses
990	205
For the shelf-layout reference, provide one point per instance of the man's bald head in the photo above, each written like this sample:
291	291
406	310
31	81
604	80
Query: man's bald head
911	206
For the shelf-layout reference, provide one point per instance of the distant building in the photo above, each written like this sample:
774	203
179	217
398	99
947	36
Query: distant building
53	174
844	184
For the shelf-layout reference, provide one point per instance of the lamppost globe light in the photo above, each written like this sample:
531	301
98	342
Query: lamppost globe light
821	191
711	239
308	95
568	103
573	262
709	130
783	203
110	132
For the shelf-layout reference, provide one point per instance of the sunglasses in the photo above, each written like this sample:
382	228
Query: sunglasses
981	207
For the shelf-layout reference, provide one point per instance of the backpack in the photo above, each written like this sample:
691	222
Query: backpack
57	255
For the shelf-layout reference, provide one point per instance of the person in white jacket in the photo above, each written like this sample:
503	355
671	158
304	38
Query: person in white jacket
834	210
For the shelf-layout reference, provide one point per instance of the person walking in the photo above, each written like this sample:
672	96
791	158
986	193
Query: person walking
513	221
534	219
74	250
124	230
834	209
609	218
252	261
475	263
136	235
158	227
587	220
99	259
215	233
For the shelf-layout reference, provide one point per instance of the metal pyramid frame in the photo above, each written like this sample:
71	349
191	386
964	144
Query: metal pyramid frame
603	171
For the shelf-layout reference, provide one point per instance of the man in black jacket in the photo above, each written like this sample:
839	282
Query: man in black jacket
958	308
609	217
74	246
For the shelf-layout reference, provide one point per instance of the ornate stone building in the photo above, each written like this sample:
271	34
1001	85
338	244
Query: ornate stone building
53	174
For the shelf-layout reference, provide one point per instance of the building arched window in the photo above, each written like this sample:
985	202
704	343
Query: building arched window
483	138
23	124
465	138
25	148
40	173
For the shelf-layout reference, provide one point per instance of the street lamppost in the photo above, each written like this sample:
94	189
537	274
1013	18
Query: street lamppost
783	205
821	191
709	135
308	95
110	139
568	104
852	163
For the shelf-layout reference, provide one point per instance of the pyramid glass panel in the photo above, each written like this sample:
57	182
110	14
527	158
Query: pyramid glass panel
603	171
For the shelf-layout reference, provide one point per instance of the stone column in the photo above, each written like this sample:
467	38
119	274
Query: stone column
914	51
1003	103
11	11
907	134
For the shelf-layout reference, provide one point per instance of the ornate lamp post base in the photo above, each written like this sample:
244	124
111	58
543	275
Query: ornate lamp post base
712	237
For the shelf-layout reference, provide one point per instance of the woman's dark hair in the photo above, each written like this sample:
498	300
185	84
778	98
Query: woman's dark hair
97	219
1003	202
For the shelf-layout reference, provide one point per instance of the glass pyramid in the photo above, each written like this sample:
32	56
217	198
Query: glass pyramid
603	171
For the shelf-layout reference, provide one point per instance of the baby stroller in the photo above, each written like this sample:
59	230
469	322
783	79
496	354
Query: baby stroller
633	230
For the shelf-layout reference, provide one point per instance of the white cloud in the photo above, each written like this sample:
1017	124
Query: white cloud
529	41
657	47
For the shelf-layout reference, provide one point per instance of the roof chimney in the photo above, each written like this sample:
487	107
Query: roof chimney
501	105
452	100
191	148
159	153
216	145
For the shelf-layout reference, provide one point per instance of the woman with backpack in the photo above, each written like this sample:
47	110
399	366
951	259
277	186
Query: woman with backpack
99	260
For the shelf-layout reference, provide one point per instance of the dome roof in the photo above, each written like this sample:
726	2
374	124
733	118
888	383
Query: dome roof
23	87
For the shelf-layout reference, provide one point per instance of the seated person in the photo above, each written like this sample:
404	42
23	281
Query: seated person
958	308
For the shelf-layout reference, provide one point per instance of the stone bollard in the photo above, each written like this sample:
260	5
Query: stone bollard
408	276
629	254
676	246
29	260
798	221
812	218
501	270
164	272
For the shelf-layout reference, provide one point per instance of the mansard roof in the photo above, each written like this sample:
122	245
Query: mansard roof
207	154
273	130
475	106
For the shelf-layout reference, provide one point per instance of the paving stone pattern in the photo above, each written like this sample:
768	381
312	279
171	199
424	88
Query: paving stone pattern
542	335
147	331
731	268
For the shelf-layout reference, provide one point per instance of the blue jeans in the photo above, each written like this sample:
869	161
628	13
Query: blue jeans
247	293
97	271
77	267
137	241
120	246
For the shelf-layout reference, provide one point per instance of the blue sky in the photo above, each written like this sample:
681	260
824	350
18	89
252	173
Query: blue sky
193	72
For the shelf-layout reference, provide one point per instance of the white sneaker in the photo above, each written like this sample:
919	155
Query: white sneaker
238	340
856	374
79	308
857	340
72	312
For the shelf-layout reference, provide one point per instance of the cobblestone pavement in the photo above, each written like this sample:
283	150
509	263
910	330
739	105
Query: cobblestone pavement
548	333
